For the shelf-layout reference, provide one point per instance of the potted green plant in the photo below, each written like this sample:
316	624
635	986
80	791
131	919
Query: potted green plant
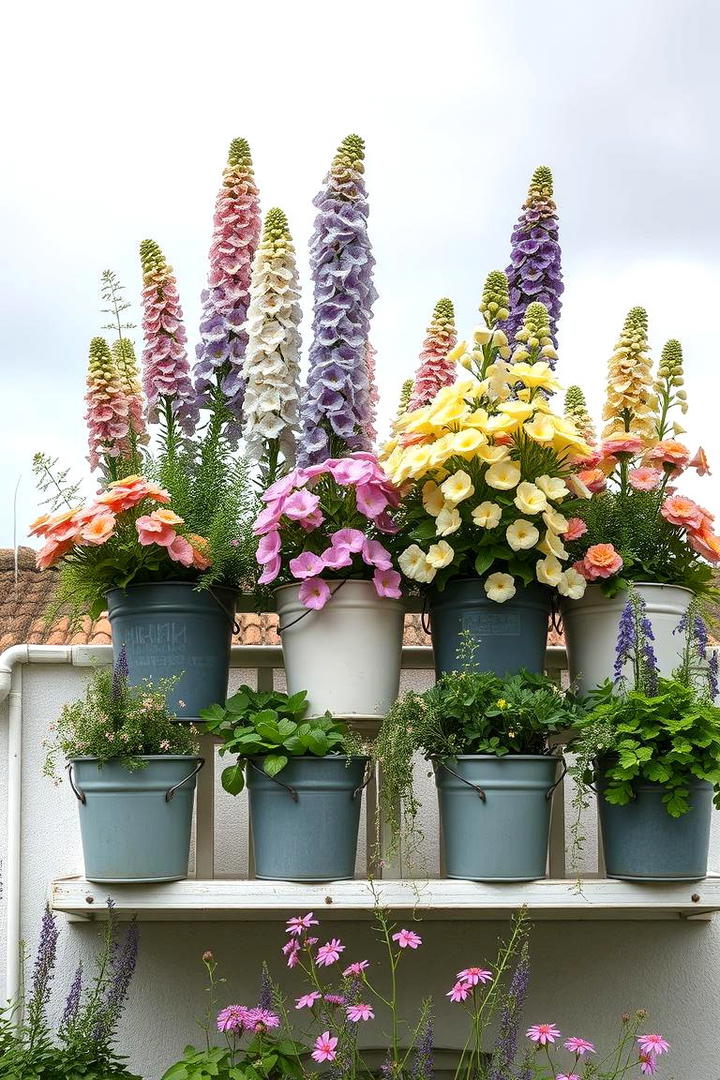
486	470
305	780
132	768
651	747
489	739
637	529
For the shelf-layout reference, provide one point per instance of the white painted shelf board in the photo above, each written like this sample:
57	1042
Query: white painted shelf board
250	901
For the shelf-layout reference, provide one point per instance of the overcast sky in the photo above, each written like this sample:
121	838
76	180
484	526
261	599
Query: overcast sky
117	118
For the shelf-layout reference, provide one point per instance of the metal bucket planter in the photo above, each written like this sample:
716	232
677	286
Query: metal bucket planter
642	842
173	629
135	824
495	816
305	821
508	636
591	629
347	655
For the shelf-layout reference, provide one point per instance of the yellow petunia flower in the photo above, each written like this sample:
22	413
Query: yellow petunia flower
440	555
433	499
503	476
518	410
492	454
487	515
529	499
538	375
572	584
555	521
548	571
541	429
414	565
448	521
500	587
522	535
457	487
551	544
554	488
466	442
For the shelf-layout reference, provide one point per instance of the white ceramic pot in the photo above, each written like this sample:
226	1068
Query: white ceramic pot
348	654
591	629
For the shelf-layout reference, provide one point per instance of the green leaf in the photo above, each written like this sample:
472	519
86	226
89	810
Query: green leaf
274	763
233	779
483	561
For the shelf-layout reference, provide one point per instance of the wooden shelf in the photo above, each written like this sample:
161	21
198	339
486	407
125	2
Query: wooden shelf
250	901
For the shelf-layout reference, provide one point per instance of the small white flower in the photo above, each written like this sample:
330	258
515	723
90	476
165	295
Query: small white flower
572	584
500	587
522	535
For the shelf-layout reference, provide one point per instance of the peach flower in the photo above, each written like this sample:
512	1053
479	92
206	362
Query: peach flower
592	479
705	543
51	552
181	551
683	512
152	531
99	529
671	454
40	525
622	444
601	561
645	478
700	462
167	517
200	546
576	528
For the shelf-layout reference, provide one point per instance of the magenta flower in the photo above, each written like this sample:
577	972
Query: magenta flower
653	1044
291	951
543	1033
567	1076
351	470
166	371
306	565
261	1019
648	1064
474	975
336	558
271	571
407	939
578	1046
268	547
314	593
307	1000
355	1013
376	554
357	968
387	583
299	923
460	991
324	1047
329	953
301	504
233	1018
435	370
371	499
352	539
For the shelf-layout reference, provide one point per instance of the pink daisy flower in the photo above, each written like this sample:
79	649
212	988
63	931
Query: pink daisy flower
567	1076
232	1018
579	1046
325	1047
460	991
291	950
328	953
261	1019
543	1033
355	1013
357	968
653	1044
473	975
298	923
307	1000
648	1064
407	939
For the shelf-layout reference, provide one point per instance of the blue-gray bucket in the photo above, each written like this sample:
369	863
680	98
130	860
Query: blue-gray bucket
642	842
508	636
172	629
495	816
305	820
135	823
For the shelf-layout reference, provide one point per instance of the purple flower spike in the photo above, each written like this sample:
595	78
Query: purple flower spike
336	410
534	272
626	640
72	1003
44	961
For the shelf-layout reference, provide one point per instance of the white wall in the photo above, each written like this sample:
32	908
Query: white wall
584	974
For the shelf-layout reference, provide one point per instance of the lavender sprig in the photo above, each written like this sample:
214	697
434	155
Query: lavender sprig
422	1068
43	971
507	1040
72	1002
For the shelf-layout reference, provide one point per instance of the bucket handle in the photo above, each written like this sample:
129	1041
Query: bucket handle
79	795
425	614
476	787
170	793
368	776
232	617
288	787
561	777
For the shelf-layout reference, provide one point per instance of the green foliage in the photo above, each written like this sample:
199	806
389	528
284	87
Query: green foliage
671	738
117	722
264	1058
53	483
269	724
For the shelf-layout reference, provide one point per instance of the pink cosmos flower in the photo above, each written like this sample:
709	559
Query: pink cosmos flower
473	975
268	547
261	1020
357	968
314	593
306	565
407	939
387	583
232	1018
291	951
336	557
299	923
307	1000
271	571
460	991
371	499
645	478
355	1013
352	539
567	1076
324	1048
653	1044
648	1064
300	505
330	952
578	1046
576	528
543	1033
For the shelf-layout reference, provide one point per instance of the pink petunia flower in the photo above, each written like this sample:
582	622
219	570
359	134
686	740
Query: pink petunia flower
376	554
268	519
271	571
357	968
336	557
299	923
314	593
578	1046
460	991
232	1018
300	505
387	583
268	547
407	939
182	551
329	953
352	539
306	565
371	499
355	1013
645	478
474	975
543	1033
324	1047
281	487
653	1044
308	1000
352	470
576	528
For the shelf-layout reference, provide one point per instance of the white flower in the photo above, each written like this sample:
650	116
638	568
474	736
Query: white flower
448	521
572	584
440	554
548	571
500	587
481	335
414	565
553	545
433	499
457	487
529	499
553	486
487	515
503	476
554	521
521	535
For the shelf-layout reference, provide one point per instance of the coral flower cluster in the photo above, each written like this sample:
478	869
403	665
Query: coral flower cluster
236	232
325	521
486	464
437	365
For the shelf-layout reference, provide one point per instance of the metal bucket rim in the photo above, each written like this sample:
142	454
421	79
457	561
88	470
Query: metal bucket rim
141	757
384	601
315	758
505	757
185	584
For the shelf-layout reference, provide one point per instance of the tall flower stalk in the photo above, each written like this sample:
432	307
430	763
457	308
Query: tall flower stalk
272	359
126	367
373	394
669	388
107	414
631	402
576	411
335	410
436	369
534	272
236	231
